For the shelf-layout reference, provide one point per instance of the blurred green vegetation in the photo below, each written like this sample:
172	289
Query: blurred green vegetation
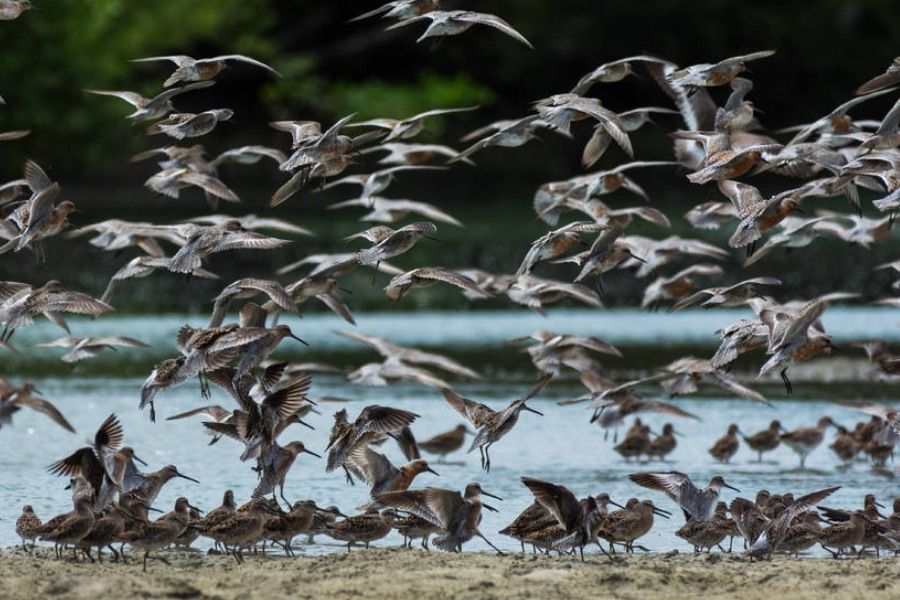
332	67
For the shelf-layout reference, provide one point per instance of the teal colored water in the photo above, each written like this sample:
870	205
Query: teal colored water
562	446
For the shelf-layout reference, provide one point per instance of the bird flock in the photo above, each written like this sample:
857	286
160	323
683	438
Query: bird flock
719	140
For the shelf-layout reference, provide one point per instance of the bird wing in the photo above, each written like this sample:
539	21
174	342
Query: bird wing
557	499
179	59
493	21
474	412
133	98
242	58
435	505
46	408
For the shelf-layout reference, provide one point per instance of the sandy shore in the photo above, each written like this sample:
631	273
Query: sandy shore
396	573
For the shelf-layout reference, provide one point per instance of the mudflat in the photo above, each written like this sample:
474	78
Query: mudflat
398	573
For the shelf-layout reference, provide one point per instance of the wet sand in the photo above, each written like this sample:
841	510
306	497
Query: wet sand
419	574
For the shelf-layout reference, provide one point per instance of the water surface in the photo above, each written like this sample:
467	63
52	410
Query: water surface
562	446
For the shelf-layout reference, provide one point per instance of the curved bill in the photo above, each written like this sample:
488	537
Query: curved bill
299	340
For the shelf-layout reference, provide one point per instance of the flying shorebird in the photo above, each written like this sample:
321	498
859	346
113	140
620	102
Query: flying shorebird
381	475
458	515
202	69
776	529
401	9
13	399
148	109
373	422
492	425
404	129
720	73
453	22
577	521
697	504
94	463
89	347
428	276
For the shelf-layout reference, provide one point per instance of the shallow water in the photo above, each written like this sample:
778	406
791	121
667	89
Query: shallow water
561	446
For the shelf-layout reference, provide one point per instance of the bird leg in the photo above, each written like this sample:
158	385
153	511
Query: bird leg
204	384
479	534
283	498
787	383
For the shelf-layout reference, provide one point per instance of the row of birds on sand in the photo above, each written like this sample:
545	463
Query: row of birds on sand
556	520
833	155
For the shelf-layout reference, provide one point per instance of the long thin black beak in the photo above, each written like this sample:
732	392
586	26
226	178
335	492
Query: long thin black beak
195	508
430	470
313	453
299	340
662	513
305	424
529	409
188	478
135	457
730	487
616	504
484	493
489	507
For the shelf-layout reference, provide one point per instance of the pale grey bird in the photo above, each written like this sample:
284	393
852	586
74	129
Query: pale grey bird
404	129
274	464
401	9
395	242
89	347
202	69
492	425
410	355
453	22
428	276
185	125
203	241
458	515
246	288
776	529
147	109
696	503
